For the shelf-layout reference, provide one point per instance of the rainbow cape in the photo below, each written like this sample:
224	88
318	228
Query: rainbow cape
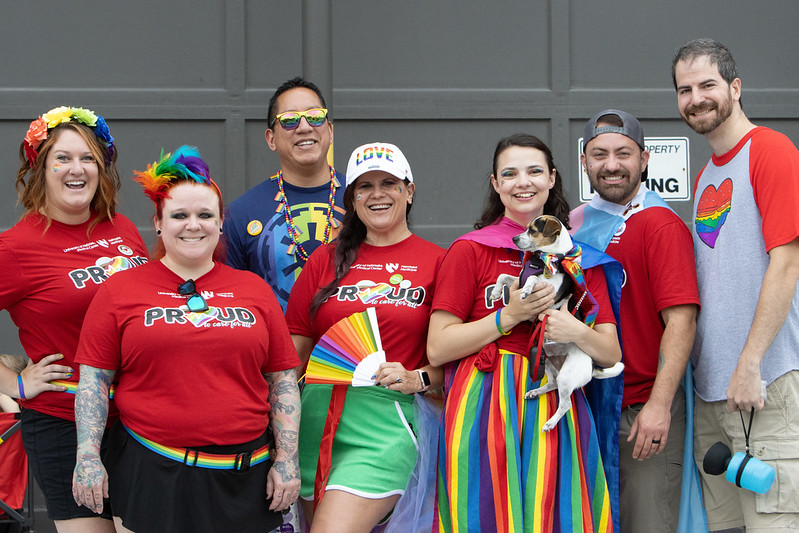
596	223
563	479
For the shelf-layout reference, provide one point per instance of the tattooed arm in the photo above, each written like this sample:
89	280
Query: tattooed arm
90	481
283	482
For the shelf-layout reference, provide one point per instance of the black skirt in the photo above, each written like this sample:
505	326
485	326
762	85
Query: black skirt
150	492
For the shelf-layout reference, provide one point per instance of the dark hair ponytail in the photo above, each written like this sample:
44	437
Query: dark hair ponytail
349	240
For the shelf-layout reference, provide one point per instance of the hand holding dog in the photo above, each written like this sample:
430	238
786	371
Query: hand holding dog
521	309
562	326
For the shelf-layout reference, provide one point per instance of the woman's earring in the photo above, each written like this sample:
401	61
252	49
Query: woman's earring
158	232
220	230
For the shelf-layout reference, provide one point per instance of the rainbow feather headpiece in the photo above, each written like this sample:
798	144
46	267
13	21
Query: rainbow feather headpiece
40	129
184	165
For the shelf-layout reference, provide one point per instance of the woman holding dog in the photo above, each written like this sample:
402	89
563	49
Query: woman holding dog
358	445
497	470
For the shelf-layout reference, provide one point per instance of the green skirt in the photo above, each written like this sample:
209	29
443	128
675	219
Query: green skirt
374	450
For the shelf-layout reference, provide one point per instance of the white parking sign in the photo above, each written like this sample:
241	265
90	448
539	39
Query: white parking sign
669	168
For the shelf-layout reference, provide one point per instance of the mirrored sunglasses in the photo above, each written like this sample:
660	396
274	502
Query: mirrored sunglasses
194	301
291	119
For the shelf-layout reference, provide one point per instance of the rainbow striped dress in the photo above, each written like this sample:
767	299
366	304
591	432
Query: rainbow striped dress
497	471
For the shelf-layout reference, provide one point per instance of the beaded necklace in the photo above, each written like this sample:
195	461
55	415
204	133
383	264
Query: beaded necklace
294	232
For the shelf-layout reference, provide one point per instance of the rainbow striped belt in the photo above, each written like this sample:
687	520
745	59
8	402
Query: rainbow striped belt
73	386
235	461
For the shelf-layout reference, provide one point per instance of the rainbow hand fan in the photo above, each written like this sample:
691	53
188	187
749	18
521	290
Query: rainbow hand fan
349	353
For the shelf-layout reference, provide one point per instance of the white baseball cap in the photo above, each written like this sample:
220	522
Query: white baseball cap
378	156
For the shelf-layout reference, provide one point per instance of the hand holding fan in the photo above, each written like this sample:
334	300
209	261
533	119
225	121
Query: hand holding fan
349	353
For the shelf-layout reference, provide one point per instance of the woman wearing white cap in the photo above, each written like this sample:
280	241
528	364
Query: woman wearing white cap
346	432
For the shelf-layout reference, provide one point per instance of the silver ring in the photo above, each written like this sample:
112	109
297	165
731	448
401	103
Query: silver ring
398	380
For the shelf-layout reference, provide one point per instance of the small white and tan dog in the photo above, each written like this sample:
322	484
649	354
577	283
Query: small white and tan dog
547	234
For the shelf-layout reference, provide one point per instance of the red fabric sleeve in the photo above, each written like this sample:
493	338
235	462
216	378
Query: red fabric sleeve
456	283
282	354
13	286
298	315
774	171
100	335
670	263
598	287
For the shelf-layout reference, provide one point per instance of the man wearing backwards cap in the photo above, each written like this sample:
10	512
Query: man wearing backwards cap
274	226
658	309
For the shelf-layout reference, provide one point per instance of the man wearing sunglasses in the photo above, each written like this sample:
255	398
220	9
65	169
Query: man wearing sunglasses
273	227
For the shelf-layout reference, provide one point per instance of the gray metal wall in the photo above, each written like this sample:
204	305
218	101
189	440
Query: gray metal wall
443	79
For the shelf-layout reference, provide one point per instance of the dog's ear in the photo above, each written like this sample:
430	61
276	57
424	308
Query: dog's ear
539	224
552	227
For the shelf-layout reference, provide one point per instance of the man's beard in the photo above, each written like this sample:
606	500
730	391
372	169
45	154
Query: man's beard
723	112
617	193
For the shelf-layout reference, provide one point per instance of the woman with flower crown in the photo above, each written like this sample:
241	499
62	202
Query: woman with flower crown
68	242
202	364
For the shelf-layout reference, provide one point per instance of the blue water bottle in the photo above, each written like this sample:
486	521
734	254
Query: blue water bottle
750	473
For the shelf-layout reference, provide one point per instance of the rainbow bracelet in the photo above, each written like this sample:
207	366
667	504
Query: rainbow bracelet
499	327
21	387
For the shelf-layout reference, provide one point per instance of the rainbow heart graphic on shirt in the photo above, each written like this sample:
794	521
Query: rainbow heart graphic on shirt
199	319
369	291
112	265
712	210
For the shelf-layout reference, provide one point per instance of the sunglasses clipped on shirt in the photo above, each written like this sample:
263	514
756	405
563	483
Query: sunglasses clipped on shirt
194	301
291	119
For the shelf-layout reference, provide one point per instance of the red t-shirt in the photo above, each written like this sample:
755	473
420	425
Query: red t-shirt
189	379
656	250
398	281
469	273
48	281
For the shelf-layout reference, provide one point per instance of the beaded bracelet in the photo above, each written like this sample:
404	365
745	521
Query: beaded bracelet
499	327
21	387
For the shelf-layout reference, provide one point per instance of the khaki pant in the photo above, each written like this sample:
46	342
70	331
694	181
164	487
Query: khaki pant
774	439
649	490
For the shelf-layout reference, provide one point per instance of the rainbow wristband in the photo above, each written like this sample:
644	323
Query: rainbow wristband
499	327
21	387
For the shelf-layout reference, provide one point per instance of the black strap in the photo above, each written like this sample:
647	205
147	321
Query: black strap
749	430
741	469
747	455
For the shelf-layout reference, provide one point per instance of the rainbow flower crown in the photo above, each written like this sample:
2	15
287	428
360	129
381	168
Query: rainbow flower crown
39	129
162	175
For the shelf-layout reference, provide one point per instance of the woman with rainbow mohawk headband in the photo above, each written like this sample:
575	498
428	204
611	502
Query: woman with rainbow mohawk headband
68	242
202	365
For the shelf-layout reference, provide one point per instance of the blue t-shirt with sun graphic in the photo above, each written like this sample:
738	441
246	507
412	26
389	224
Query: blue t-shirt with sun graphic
257	234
